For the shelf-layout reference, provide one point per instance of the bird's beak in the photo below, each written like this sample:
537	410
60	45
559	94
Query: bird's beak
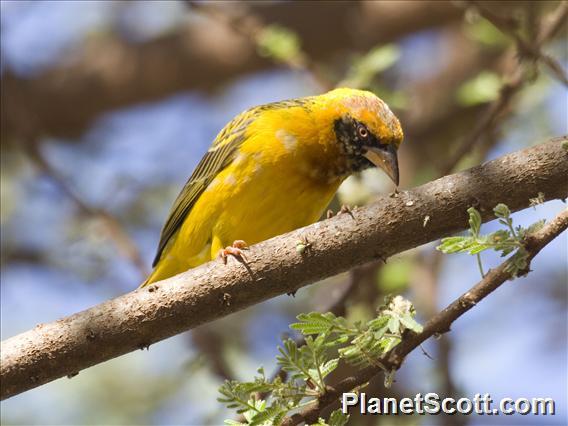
384	158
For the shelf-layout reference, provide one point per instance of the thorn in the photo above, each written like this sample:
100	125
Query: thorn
345	209
425	353
226	299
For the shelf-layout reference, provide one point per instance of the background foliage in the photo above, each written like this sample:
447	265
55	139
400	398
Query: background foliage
107	107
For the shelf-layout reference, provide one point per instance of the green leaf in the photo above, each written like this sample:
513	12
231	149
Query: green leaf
348	352
535	227
265	417
395	275
481	89
455	244
279	43
379	334
504	241
364	69
314	323
410	323
380	58
394	325
329	367
483	31
236	395
337	418
359	344
502	211
334	343
291	361
518	263
378	323
474	221
389	344
477	248
499	237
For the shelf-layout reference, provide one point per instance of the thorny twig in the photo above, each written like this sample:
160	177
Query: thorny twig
526	48
515	80
439	323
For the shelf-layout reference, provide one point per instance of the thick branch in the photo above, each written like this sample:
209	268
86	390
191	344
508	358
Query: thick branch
438	324
391	225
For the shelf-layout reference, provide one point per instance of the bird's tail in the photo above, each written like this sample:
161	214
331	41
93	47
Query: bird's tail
166	269
155	275
162	270
146	282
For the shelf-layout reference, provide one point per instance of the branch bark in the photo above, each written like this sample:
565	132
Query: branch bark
438	324
391	225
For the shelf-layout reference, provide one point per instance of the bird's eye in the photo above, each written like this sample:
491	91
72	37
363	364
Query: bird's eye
362	131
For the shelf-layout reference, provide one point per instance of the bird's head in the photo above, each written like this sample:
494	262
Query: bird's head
366	131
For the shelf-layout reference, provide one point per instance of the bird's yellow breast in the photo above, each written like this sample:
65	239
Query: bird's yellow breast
277	182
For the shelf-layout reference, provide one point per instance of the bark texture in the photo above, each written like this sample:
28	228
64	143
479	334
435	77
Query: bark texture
389	226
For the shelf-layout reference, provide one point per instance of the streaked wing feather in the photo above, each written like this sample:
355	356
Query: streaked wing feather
212	163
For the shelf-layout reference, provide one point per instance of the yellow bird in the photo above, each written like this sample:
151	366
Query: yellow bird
272	169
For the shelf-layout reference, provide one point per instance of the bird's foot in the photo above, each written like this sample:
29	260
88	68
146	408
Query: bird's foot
344	209
236	250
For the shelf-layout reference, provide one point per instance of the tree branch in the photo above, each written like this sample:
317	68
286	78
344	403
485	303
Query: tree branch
114	229
515	79
508	25
111	73
391	225
438	324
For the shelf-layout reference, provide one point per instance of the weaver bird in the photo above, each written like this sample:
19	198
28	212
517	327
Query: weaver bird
272	169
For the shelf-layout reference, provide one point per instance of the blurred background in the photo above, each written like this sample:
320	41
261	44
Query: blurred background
108	105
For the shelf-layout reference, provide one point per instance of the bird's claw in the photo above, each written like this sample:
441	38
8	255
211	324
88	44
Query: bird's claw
236	250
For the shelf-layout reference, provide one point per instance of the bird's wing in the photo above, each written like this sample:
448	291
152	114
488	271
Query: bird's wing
219	156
